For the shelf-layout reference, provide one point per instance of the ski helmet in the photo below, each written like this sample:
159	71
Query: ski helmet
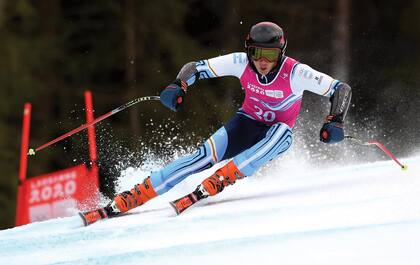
266	35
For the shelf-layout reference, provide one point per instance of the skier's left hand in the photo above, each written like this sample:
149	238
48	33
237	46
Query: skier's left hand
332	131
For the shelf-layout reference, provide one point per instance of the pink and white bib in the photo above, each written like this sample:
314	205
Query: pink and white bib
273	102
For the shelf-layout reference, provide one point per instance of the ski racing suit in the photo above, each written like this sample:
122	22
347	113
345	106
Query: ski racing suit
261	130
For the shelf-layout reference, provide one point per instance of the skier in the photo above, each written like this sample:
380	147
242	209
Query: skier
260	131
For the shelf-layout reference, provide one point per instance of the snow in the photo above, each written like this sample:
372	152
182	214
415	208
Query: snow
288	214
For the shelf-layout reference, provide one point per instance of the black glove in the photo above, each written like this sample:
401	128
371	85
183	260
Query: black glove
173	95
332	131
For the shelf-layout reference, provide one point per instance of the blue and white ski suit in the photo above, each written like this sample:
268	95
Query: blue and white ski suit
262	129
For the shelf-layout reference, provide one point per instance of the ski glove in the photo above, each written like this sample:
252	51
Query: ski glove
332	131
173	95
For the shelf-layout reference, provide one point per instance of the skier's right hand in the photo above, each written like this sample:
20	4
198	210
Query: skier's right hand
173	95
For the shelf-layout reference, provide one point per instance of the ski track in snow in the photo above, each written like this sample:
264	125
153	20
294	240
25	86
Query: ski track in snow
359	214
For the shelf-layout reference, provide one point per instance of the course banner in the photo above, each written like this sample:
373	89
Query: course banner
58	194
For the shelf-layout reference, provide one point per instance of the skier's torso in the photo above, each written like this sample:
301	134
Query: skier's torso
269	100
273	101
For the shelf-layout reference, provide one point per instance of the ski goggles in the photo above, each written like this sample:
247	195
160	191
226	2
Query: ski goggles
271	54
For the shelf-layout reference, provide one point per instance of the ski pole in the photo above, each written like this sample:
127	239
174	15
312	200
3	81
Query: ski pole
100	118
380	146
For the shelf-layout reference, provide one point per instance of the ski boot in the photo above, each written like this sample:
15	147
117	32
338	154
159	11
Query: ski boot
122	203
224	176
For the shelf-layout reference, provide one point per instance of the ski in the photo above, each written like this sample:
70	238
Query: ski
91	217
111	210
185	202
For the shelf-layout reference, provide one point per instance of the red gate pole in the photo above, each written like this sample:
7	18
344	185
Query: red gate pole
21	210
91	137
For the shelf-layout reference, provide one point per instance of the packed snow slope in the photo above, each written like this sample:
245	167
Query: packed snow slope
358	214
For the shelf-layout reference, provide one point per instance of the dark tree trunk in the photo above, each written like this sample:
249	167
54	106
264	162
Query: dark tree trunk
131	63
341	41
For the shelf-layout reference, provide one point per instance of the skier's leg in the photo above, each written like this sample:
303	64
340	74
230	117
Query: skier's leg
173	173
163	180
236	136
276	141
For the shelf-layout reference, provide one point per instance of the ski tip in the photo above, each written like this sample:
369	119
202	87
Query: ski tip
184	203
173	204
82	216
93	216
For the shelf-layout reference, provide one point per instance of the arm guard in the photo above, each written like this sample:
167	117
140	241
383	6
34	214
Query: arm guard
188	73
340	102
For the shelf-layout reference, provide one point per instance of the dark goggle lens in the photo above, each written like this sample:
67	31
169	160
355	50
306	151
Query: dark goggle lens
271	54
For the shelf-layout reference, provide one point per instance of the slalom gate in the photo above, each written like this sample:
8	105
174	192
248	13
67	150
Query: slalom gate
60	193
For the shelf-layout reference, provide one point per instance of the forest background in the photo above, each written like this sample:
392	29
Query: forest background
53	50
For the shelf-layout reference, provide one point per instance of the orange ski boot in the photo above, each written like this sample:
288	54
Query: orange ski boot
128	200
224	176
